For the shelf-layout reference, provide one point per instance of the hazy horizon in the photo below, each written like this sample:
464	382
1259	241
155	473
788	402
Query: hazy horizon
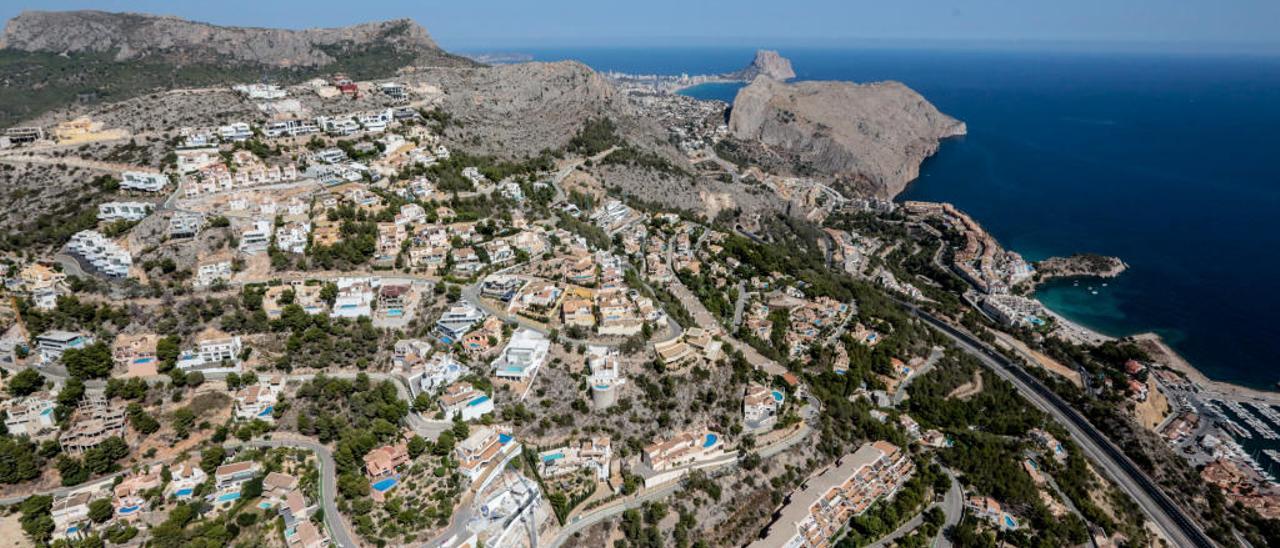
1156	26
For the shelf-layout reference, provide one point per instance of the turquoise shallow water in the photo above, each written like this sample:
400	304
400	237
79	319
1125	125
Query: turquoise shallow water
1164	161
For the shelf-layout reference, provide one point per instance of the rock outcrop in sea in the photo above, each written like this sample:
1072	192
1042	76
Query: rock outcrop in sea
767	63
870	138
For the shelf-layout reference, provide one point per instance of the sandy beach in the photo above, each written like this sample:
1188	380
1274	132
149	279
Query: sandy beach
1162	353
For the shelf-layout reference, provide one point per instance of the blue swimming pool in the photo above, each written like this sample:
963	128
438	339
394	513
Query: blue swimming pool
478	401
504	438
383	485
264	505
126	510
183	492
228	497
393	312
711	440
143	360
47	412
552	457
1010	522
602	387
267	412
777	396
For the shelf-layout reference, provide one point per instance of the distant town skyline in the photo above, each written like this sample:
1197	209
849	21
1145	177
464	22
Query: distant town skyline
1155	25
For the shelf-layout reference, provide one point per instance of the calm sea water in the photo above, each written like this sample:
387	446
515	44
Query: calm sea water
1168	162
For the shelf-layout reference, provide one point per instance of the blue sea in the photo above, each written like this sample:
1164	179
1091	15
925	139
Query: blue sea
1167	161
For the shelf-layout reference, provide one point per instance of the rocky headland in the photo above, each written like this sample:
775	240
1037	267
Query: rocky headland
869	138
1080	265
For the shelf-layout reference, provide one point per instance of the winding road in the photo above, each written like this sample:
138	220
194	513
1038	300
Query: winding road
339	532
1171	520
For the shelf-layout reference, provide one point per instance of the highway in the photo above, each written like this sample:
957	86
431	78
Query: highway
1168	517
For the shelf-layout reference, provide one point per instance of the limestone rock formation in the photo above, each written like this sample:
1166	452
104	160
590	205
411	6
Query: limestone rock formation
768	63
135	36
871	137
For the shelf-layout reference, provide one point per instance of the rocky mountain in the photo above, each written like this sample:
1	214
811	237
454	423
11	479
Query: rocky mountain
767	62
130	36
50	60
527	107
870	137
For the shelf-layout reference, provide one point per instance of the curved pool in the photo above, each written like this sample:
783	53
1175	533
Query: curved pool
711	440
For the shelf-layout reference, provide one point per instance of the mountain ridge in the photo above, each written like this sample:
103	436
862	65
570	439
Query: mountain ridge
133	36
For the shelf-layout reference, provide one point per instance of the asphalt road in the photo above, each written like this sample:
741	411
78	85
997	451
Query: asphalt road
333	521
1174	524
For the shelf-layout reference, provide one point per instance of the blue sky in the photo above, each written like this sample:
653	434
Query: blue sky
1187	25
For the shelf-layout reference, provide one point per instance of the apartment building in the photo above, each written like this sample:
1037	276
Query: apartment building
829	500
143	181
95	421
126	211
101	253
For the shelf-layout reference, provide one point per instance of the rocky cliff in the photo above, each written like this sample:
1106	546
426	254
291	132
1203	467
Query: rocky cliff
131	36
871	137
768	63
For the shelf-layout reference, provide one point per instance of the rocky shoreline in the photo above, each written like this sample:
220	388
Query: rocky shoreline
1080	265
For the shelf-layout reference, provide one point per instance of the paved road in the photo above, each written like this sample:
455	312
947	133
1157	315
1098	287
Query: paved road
739	304
1174	524
337	526
587	519
952	506
60	491
900	393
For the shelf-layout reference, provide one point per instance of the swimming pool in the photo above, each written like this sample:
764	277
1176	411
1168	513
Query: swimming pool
478	401
504	438
393	312
264	505
552	457
228	497
126	510
383	485
602	387
185	492
711	440
1010	522
777	396
267	412
141	361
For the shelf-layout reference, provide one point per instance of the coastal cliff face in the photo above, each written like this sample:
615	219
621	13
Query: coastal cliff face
766	63
135	36
869	137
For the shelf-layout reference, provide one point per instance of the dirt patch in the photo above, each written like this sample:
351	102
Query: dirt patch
1152	412
968	389
1041	359
11	531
